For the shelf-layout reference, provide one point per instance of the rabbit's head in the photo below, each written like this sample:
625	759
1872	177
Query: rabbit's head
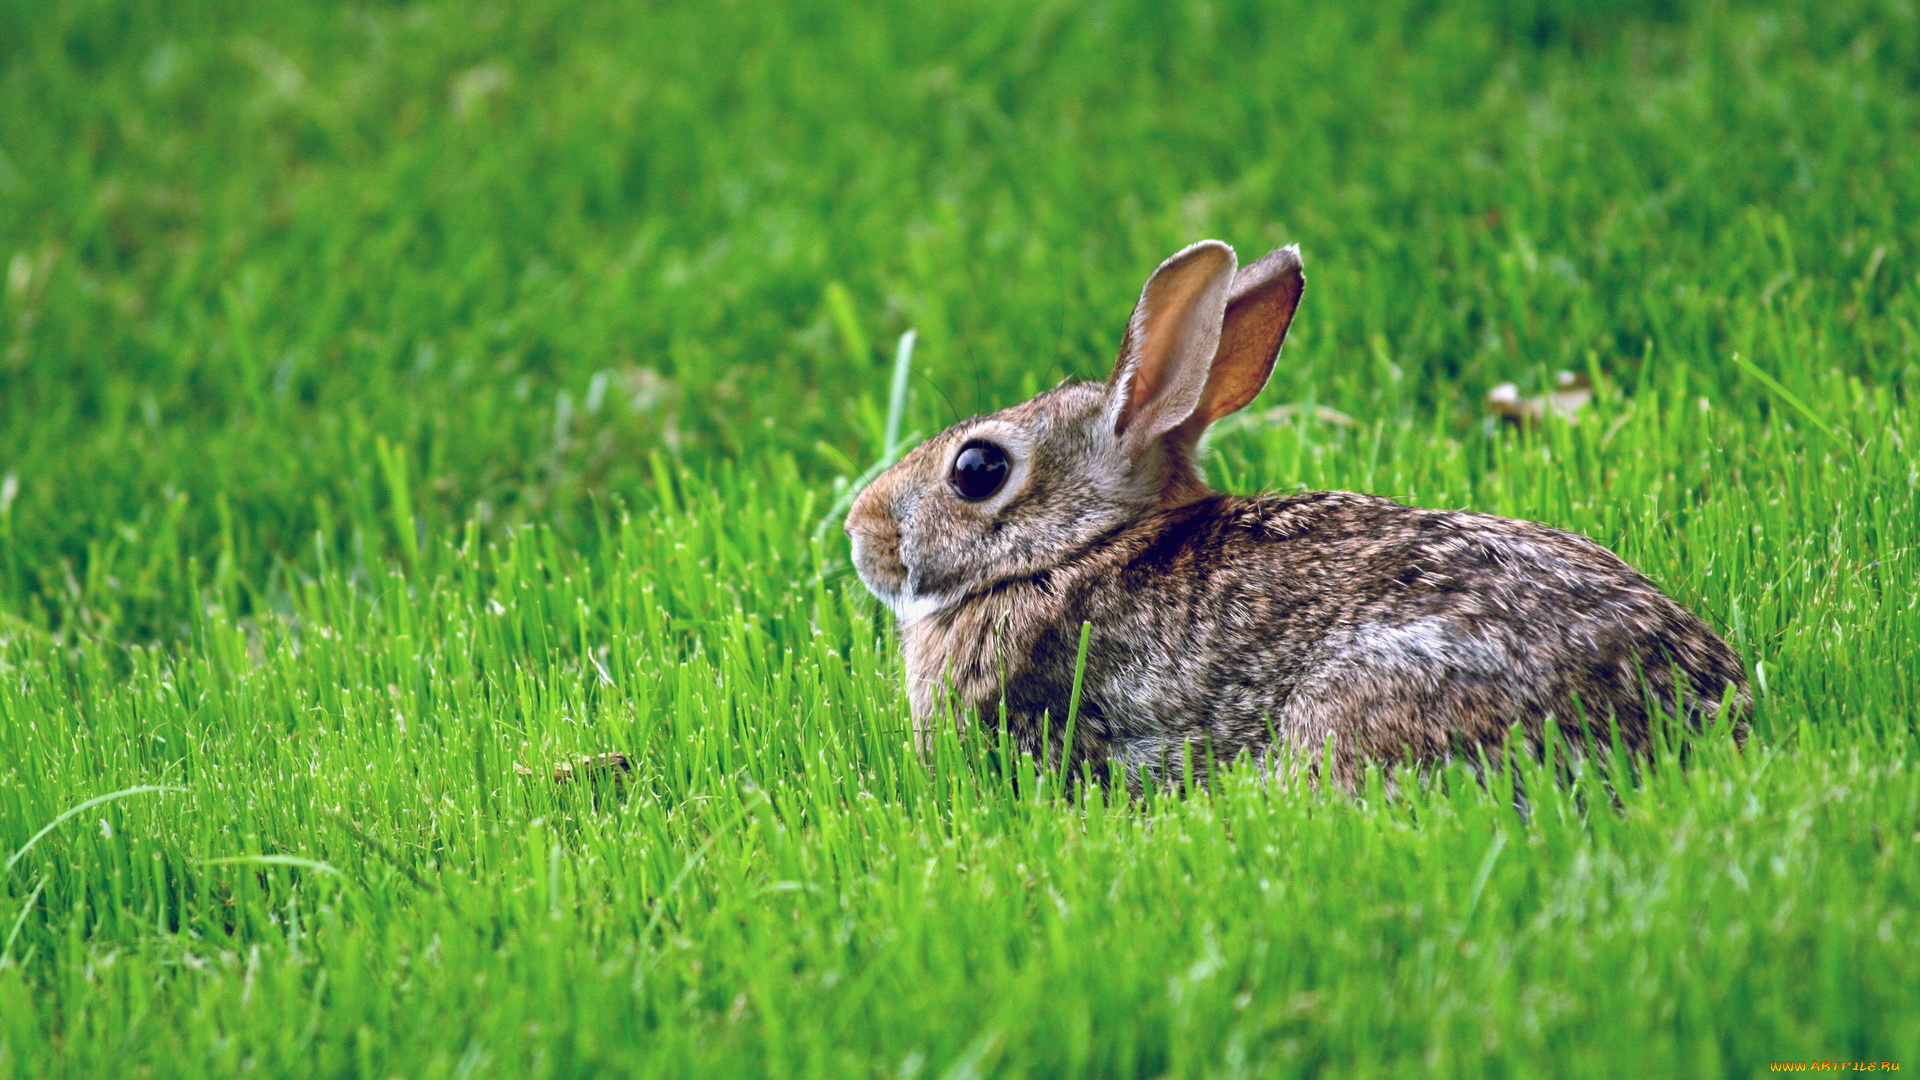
1012	493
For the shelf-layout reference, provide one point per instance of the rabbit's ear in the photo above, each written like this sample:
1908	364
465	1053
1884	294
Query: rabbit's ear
1260	308
1171	340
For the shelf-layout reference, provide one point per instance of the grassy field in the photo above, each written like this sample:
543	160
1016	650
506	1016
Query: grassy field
400	399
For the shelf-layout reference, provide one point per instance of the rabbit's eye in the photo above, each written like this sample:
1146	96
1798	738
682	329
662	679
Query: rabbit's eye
979	470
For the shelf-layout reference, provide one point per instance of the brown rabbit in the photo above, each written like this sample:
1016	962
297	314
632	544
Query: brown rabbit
1289	626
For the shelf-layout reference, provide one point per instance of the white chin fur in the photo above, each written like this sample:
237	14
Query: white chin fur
910	609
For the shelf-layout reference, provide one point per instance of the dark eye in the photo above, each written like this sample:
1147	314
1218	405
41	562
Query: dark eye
979	470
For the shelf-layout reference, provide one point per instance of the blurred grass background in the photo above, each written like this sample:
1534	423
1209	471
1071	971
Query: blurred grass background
531	244
391	394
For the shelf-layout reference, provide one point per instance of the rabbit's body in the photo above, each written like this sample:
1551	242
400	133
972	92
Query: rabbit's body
1338	618
1311	624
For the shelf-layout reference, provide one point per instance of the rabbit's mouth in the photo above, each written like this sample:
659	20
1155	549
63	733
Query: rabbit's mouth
879	567
876	549
886	577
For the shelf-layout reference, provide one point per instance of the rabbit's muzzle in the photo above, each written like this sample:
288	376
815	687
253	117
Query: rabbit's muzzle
875	533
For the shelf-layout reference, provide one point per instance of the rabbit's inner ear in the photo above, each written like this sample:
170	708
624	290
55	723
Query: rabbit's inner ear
1260	309
1170	343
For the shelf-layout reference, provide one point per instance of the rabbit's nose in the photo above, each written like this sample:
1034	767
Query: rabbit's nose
864	515
871	526
874	513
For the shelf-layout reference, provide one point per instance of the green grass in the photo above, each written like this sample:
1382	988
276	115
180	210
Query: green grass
391	395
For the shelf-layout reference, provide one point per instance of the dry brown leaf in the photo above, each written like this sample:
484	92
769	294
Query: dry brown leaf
611	763
1572	392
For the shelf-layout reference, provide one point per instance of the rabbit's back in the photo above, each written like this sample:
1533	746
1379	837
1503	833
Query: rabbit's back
1439	630
1332	617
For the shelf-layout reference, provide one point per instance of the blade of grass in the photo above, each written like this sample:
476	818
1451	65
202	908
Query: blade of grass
1784	394
81	809
20	921
898	396
1073	703
274	860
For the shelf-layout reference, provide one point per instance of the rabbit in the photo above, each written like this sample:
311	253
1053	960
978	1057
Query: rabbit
1324	626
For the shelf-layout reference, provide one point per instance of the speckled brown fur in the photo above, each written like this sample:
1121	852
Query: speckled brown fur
1288	627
